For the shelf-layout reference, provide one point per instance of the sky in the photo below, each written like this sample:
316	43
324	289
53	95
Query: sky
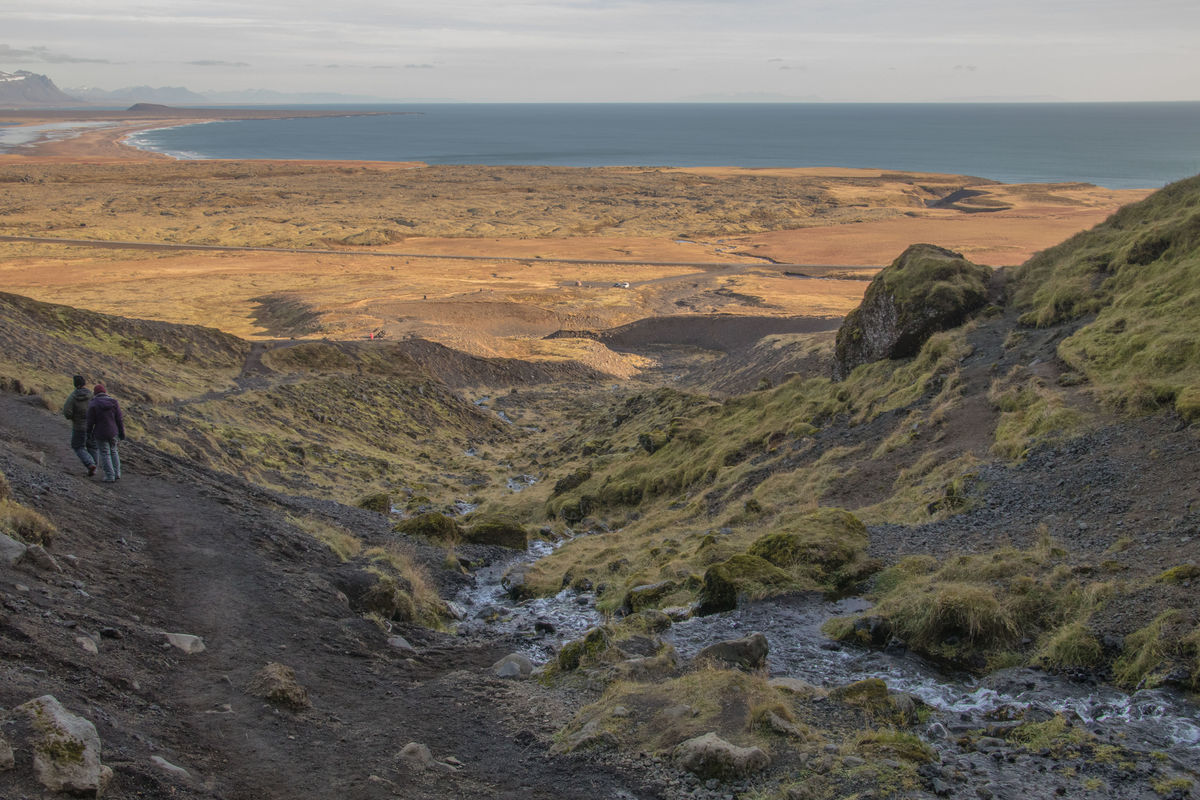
620	50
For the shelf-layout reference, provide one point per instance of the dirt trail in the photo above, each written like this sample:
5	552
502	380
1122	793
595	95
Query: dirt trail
175	548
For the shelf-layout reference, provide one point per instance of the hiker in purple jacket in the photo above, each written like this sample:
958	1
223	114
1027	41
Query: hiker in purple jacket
106	425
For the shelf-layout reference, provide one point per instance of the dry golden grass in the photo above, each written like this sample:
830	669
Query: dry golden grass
726	222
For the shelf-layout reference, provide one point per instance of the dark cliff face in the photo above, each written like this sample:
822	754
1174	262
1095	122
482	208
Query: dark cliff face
927	289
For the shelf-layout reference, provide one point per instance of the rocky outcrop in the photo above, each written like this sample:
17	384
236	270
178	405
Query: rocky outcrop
748	654
11	551
710	756
927	289
725	582
66	749
497	531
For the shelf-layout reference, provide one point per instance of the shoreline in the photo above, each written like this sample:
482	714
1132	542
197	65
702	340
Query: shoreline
110	142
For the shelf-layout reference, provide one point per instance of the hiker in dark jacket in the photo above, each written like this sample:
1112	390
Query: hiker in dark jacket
106	423
75	409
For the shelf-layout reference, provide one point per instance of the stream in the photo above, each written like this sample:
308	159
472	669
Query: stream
1148	721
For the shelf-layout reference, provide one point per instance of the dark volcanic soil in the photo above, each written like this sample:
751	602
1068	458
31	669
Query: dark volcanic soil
172	548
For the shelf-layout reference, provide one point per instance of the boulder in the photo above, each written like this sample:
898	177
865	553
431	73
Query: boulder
748	654
371	592
648	668
397	642
11	551
710	756
432	525
186	642
380	503
927	289
743	573
590	737
37	556
66	749
497	531
7	759
169	768
513	665
418	756
276	683
516	583
586	650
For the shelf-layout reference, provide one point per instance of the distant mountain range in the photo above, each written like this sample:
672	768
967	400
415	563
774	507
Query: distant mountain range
24	89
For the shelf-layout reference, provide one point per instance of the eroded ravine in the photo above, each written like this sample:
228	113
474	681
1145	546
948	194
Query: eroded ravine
1161	725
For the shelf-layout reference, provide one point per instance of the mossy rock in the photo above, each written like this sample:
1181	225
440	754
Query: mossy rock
498	531
873	696
926	290
648	595
276	683
571	480
649	620
653	441
433	525
621	493
369	591
743	574
586	650
573	510
828	538
380	503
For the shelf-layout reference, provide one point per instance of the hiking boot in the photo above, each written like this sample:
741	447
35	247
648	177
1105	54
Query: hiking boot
91	470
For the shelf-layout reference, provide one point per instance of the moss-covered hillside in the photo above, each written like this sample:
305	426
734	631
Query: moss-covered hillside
1135	281
337	420
709	503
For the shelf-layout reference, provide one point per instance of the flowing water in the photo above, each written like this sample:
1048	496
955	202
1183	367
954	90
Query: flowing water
1146	721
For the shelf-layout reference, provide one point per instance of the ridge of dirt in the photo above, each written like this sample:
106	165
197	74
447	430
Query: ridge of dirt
176	548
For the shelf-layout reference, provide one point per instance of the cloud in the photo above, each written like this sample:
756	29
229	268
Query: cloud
419	66
45	56
210	62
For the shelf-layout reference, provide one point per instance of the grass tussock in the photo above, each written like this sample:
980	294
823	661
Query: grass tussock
394	561
1003	607
661	715
344	544
1030	413
23	523
1169	644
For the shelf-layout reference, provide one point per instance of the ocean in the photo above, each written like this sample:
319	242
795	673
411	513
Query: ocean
1117	145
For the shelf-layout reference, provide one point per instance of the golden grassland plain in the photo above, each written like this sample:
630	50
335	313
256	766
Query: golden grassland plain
686	241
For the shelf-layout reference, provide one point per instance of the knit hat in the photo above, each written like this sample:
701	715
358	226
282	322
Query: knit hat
79	381
98	389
